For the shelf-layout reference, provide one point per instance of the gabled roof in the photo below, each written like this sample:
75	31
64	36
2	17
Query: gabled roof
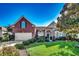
23	18
51	24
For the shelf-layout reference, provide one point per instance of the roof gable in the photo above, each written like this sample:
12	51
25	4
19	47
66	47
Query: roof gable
23	19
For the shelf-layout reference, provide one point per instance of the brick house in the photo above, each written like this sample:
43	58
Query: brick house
23	29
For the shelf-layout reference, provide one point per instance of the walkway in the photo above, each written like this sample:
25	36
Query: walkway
22	53
9	43
12	43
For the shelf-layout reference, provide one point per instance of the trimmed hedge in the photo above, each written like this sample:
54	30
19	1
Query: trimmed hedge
40	39
12	37
29	41
61	38
0	38
19	46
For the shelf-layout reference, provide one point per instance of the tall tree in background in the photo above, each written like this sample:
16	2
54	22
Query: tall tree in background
69	21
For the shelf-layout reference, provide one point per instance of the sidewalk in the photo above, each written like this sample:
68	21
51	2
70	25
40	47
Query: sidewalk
22	53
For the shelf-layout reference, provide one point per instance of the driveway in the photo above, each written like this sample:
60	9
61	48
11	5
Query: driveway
10	43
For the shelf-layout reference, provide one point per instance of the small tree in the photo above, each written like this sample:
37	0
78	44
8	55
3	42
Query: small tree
5	37
9	29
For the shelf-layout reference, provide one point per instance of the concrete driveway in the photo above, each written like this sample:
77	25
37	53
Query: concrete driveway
10	43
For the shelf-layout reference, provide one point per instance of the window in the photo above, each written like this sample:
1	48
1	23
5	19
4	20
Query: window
23	24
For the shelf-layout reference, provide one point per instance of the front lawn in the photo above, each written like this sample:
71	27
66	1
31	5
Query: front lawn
59	48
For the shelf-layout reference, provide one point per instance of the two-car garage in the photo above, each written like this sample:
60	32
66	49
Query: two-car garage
23	36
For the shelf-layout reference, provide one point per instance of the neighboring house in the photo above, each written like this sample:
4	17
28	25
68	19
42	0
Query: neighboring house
2	31
59	34
23	29
53	29
55	32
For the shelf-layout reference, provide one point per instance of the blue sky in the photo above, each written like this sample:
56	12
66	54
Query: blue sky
40	14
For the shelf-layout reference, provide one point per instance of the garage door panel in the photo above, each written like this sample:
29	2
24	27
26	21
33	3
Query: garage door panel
23	36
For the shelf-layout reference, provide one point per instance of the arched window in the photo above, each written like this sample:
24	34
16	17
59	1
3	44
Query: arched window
23	24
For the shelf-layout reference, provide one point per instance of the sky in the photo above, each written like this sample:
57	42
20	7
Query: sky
39	14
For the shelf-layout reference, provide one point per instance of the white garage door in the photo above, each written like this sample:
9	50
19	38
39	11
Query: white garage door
23	36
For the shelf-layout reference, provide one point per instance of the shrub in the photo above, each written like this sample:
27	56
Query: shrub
26	42
29	41
19	46
11	37
0	38
46	39
61	38
41	39
32	40
5	37
9	51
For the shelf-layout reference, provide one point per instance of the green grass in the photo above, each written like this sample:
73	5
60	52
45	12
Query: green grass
59	48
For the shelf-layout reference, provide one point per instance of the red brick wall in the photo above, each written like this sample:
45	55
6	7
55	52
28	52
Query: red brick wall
28	28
